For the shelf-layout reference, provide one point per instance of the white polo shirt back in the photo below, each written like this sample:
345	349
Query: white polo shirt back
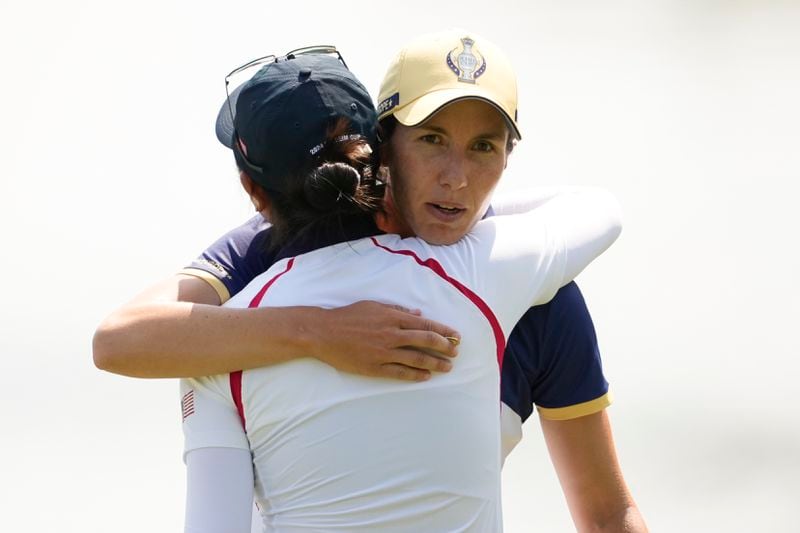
339	452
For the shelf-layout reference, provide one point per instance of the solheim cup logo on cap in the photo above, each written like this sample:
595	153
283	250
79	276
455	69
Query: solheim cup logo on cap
466	65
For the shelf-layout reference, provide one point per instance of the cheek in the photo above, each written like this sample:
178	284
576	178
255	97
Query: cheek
489	179
408	184
400	193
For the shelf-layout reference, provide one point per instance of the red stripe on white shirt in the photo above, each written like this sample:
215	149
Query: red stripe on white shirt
438	269
236	377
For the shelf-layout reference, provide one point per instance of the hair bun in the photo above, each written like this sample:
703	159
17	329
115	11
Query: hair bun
331	183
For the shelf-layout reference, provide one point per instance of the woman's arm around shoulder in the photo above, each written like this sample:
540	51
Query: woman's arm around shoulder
177	329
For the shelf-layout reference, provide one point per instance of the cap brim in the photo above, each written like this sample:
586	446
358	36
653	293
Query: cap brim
416	112
224	125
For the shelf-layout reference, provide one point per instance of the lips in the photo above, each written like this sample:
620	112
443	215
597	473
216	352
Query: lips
444	211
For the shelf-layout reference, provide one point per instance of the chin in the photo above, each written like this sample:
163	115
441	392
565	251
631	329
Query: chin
441	237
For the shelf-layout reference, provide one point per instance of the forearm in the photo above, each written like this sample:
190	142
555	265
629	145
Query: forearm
585	459
519	201
590	229
588	219
627	520
180	339
176	329
219	491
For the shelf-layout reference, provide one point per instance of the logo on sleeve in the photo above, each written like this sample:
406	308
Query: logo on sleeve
214	265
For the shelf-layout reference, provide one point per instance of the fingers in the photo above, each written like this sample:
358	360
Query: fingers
425	324
410	319
455	341
415	312
420	360
403	373
424	333
392	341
428	341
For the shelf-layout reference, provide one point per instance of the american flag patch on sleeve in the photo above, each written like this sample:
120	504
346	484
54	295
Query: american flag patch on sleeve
187	404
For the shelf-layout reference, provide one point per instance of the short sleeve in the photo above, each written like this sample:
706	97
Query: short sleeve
234	259
210	418
552	360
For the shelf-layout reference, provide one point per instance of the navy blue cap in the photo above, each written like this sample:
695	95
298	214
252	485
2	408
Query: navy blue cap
282	115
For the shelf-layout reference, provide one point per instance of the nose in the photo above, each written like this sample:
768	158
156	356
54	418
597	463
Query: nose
454	173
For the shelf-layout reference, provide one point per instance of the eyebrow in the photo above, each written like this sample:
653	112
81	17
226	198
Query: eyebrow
492	135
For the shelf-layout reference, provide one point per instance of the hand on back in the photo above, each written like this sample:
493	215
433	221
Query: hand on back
380	340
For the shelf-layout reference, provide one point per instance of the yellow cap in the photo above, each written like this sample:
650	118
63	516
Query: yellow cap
440	68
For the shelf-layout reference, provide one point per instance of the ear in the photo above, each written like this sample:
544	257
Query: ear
510	145
384	151
384	154
257	195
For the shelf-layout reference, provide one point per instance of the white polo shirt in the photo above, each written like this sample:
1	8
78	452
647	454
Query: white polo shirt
338	452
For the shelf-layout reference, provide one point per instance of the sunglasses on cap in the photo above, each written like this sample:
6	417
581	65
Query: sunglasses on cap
243	73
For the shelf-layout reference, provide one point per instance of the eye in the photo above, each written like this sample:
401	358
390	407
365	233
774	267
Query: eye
483	146
431	138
